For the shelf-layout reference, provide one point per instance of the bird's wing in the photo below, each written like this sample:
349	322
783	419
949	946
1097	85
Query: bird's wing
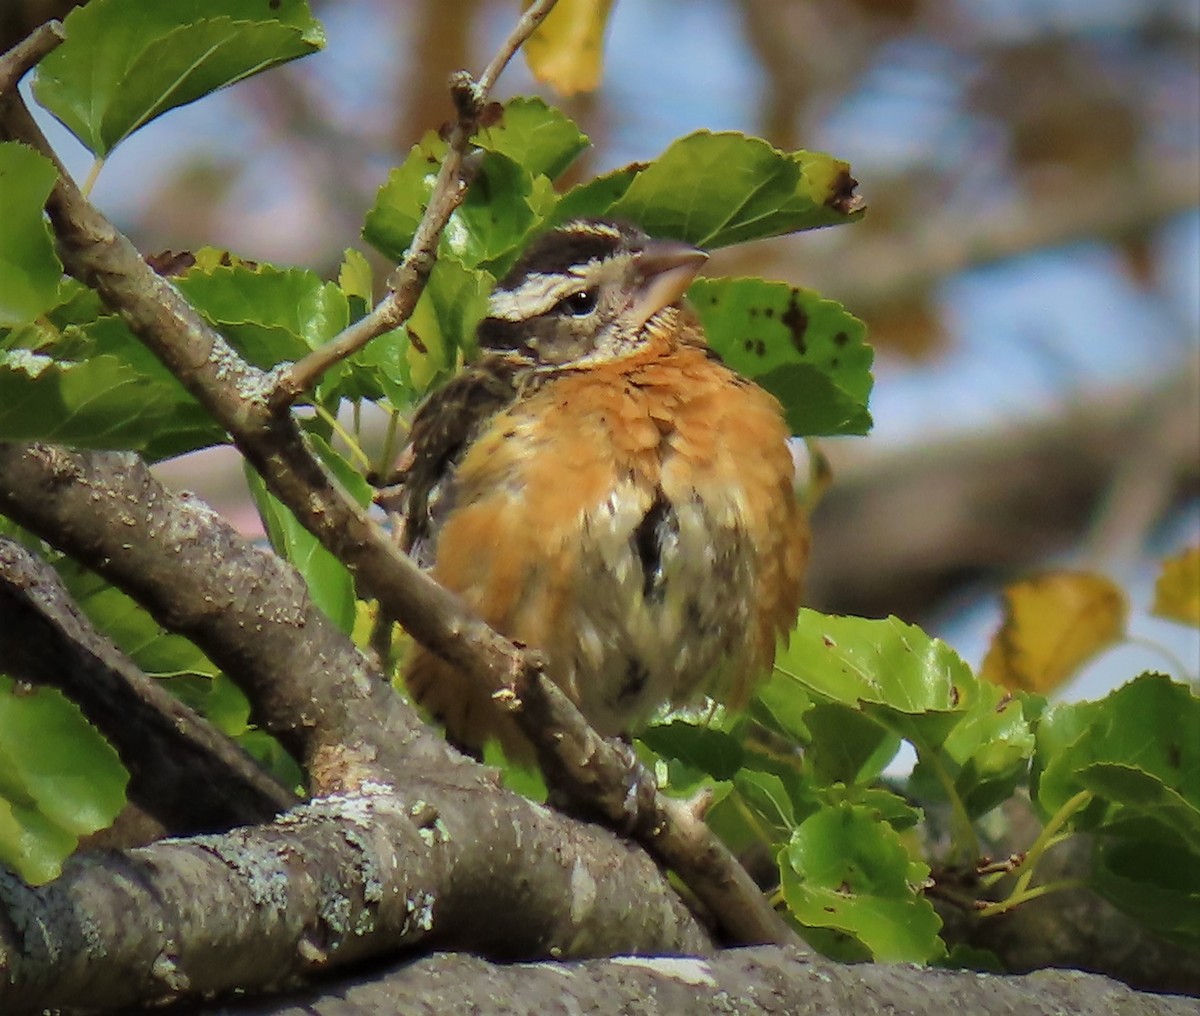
444	427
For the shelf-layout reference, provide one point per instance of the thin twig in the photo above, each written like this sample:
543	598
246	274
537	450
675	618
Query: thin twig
590	769
449	189
25	54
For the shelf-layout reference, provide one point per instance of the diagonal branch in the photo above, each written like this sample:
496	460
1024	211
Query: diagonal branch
25	54
449	189
183	771
248	610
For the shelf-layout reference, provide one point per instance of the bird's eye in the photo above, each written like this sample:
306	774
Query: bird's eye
579	304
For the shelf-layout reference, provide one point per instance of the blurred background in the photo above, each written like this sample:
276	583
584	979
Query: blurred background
1029	267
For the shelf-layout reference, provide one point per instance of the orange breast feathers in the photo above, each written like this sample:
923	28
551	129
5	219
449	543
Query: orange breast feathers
635	520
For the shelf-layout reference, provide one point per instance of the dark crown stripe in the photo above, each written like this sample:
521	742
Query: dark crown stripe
556	251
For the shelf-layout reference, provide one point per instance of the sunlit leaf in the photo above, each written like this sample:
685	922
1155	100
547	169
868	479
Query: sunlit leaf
356	279
844	869
916	686
542	139
1053	624
716	189
126	62
1137	750
29	269
329	582
270	315
59	780
486	231
807	352
567	49
98	403
1177	591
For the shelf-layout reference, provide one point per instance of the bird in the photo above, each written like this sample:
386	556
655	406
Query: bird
600	486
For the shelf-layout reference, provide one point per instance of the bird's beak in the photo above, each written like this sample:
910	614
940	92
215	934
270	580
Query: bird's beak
665	269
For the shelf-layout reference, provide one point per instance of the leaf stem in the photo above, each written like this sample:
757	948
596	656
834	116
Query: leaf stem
90	182
352	444
1026	895
1051	835
388	452
963	835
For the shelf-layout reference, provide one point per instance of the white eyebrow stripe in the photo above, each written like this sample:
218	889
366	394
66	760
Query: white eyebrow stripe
538	293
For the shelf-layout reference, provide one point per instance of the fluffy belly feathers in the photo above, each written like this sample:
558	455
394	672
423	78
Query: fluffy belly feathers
641	529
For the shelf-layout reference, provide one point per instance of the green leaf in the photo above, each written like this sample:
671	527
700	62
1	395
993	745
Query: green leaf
844	869
1156	882
155	650
1137	750
126	61
270	315
807	352
767	796
855	660
717	189
59	780
440	333
99	403
29	269
539	137
595	198
356	281
919	688
710	751
885	804
485	231
847	746
329	582
782	705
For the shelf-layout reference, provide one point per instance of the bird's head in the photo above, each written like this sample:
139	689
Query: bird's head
587	291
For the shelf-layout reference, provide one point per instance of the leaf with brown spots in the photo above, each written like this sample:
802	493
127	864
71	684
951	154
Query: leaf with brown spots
808	352
1053	624
1177	591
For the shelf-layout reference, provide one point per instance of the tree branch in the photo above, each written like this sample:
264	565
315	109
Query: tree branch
331	883
25	54
449	189
183	771
766	981
249	611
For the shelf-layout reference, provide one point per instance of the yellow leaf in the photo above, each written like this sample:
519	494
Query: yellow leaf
1177	591
567	50
1053	624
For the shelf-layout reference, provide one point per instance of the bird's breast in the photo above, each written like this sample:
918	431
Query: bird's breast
624	520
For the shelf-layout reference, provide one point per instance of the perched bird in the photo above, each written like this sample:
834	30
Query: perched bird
600	486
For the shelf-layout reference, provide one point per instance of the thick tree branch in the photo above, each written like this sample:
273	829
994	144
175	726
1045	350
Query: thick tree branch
247	609
449	189
334	881
183	771
766	981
